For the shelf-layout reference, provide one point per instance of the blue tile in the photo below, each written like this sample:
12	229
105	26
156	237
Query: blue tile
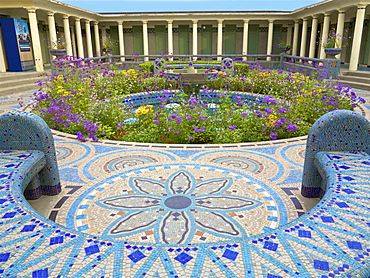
83	228
4	257
303	233
9	214
42	273
79	217
354	245
270	245
183	258
321	265
136	256
272	218
273	276
56	240
271	208
229	254
92	250
28	228
348	191
327	219
342	205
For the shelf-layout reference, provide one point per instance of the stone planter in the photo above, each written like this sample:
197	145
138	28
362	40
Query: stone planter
332	52
58	52
107	50
284	49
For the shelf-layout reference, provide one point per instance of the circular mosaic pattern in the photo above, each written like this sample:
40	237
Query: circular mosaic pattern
240	162
174	204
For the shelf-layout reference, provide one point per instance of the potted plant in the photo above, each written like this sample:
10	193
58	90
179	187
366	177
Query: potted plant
332	45
107	45
58	48
283	46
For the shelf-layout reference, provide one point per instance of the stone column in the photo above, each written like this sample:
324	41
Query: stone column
245	38
67	35
295	37
302	52
121	39
104	33
79	38
313	37
219	38
52	29
97	39
145	39
289	34
340	27
359	26
195	38
170	38
36	46
270	38
324	35
88	38
73	35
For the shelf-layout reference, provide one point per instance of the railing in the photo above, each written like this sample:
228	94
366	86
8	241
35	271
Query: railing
324	68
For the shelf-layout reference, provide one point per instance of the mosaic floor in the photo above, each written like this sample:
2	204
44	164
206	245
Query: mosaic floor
176	195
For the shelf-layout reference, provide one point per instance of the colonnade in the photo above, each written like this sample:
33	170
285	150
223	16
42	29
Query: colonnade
292	35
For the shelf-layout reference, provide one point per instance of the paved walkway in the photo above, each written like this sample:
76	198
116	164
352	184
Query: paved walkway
175	195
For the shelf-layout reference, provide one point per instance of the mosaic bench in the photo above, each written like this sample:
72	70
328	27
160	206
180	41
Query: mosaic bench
332	240
27	151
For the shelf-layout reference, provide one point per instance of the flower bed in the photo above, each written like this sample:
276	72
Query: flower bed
91	101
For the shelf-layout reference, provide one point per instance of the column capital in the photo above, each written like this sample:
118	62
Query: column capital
87	21
96	22
195	21
169	21
246	20
361	6
271	20
31	9
296	21
327	14
220	21
65	16
144	21
342	10
315	16
305	19
120	22
77	19
50	13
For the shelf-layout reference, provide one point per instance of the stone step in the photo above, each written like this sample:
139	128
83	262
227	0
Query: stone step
19	82
358	73
357	85
354	78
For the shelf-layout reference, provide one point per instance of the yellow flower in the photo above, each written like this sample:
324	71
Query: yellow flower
271	120
145	109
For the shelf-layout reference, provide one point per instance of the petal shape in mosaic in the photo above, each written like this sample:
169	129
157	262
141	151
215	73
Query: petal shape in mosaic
133	222
215	186
226	203
175	227
180	183
131	202
147	186
216	223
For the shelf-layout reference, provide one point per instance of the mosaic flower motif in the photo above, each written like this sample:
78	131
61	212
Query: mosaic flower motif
176	208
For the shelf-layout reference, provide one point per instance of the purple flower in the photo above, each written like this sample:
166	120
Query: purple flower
80	136
244	114
232	127
273	135
268	110
291	127
190	138
157	122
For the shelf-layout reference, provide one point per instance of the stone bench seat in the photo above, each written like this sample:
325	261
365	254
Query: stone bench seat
22	169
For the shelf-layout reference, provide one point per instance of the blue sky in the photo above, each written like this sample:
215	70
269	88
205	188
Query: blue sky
188	5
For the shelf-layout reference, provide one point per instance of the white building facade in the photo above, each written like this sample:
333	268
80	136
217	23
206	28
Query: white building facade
193	33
